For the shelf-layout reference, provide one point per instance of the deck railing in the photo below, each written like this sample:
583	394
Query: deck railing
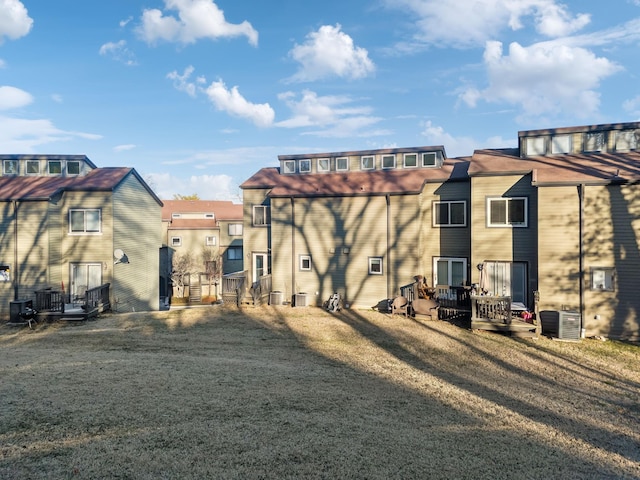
234	286
97	298
49	300
493	309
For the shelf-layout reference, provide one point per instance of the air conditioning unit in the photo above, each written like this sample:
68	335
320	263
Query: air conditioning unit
300	300
561	324
276	298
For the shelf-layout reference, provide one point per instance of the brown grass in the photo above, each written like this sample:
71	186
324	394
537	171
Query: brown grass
299	393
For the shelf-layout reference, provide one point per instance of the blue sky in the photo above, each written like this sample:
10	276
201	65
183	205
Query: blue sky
197	95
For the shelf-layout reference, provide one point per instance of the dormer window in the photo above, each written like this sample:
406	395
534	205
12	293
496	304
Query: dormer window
73	168
342	164
324	165
594	142
305	166
33	167
388	161
55	167
289	166
535	146
560	144
410	160
429	159
10	167
627	139
367	162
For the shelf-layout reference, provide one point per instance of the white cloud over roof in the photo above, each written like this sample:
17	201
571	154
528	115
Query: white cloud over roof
329	52
196	19
232	102
14	19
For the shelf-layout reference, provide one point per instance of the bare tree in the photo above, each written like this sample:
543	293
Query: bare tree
212	261
182	265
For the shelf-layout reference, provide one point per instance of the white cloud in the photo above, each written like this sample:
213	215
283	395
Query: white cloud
56	97
183	82
460	146
21	135
196	19
232	102
632	106
335	116
12	97
468	23
545	78
330	52
119	51
14	20
207	187
124	148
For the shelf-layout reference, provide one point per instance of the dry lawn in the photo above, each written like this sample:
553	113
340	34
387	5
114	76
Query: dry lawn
285	392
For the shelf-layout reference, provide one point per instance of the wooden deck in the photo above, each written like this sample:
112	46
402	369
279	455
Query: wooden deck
53	305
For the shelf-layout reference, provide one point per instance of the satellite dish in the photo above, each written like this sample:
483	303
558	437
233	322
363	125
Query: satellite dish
120	256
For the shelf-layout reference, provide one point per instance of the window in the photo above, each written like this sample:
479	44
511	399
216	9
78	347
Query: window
450	271
235	229
505	279
388	161
176	241
234	253
324	165
209	215
375	265
261	215
55	167
507	212
535	146
603	279
33	167
305	263
210	240
289	166
84	221
5	273
561	144
410	160
305	166
342	164
176	215
429	159
10	167
367	162
450	214
73	168
627	139
594	142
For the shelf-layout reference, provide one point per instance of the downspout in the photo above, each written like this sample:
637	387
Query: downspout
388	198
293	249
16	270
581	251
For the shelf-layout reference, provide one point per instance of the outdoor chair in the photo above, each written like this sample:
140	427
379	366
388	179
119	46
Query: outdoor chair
400	305
79	295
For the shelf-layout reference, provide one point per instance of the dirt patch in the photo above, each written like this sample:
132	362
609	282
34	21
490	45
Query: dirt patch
284	392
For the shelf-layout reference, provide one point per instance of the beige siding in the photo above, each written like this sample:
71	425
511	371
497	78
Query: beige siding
504	243
254	239
7	244
137	230
405	259
226	241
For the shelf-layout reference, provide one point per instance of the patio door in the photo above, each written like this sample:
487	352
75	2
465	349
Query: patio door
449	271
506	278
85	275
260	265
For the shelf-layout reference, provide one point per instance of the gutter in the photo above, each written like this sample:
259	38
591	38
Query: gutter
581	251
293	249
15	273
388	198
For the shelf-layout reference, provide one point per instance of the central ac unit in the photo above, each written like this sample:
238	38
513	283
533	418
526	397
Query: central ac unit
300	300
562	324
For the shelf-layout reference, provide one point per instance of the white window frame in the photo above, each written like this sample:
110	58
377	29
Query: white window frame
536	146
76	163
237	253
32	162
176	241
5	272
627	140
388	157
85	221
448	203
289	167
210	240
429	155
603	279
508	223
51	163
594	142
13	169
339	160
234	228
376	266
505	278
266	216
407	156
366	159
325	161
304	165
561	144
304	263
